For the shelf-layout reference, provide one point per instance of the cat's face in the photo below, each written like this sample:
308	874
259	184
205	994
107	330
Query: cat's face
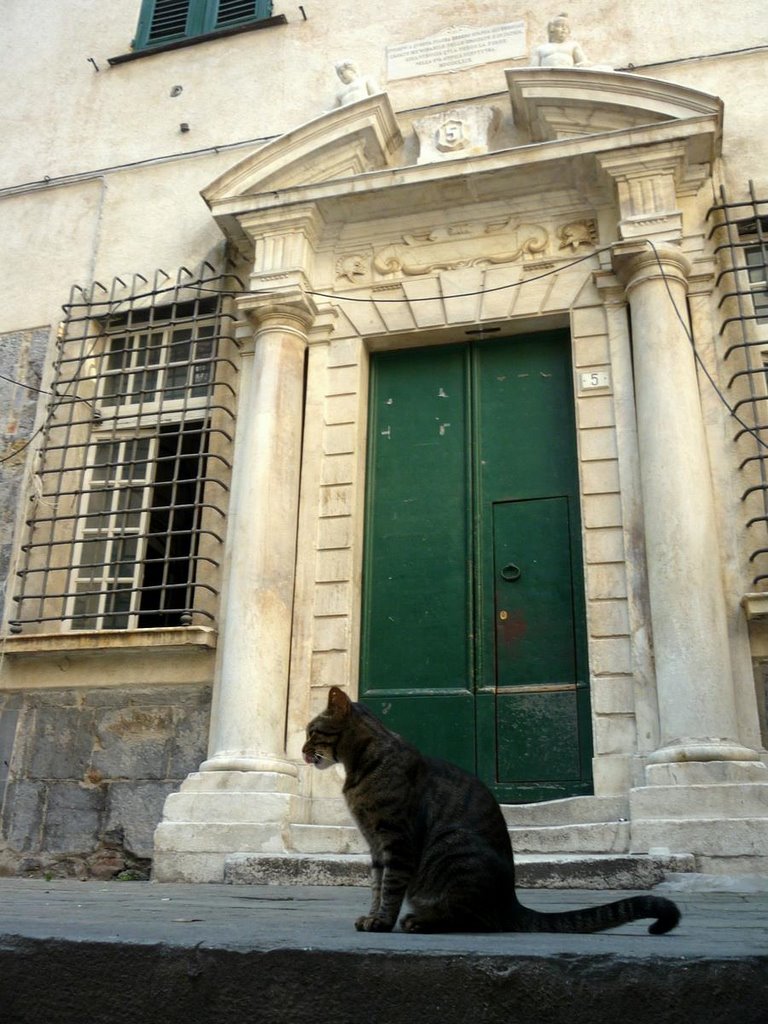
324	731
322	740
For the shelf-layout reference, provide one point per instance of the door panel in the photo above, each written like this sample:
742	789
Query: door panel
473	511
418	587
537	739
534	639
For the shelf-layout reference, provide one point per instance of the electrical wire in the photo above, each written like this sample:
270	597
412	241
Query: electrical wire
700	362
432	298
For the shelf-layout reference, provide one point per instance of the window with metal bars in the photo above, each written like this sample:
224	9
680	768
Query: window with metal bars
756	258
168	21
739	231
133	471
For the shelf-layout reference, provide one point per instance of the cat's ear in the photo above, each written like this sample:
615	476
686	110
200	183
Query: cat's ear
339	703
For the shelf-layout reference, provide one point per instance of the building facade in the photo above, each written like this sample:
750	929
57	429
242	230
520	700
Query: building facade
423	356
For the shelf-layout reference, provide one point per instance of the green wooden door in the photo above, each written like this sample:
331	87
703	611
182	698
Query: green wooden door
474	641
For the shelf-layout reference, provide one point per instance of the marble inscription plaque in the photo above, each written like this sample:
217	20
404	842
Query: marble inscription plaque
455	49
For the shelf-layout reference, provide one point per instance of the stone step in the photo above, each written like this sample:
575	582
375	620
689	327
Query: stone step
577	810
726	800
596	871
334	839
592	837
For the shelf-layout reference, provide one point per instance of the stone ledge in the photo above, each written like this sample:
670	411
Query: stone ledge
168	640
755	606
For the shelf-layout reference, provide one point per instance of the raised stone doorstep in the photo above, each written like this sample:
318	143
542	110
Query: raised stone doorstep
553	871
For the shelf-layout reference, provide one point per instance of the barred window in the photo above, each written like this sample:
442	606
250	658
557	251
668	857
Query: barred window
133	471
757	269
739	234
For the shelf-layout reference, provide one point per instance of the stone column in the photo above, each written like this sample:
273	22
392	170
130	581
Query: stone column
697	715
246	792
251	691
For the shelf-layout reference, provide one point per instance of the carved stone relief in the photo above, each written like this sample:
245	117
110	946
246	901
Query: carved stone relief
462	131
464	245
576	234
352	267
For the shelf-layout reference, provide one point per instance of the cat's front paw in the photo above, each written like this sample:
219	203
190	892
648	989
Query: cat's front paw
373	923
411	923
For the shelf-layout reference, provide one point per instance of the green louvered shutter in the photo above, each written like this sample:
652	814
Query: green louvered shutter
234	12
163	21
167	21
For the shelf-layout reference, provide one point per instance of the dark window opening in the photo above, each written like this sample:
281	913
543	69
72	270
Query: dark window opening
174	522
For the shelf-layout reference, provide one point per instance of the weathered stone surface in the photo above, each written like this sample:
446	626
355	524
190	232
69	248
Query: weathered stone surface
23	812
88	773
135	809
133	741
21	360
58	743
72	818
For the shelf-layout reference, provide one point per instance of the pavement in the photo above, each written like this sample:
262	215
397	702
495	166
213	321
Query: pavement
146	952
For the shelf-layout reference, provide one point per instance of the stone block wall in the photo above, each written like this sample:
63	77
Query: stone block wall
84	774
21	365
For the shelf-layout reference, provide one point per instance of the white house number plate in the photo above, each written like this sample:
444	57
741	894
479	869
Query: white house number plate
595	379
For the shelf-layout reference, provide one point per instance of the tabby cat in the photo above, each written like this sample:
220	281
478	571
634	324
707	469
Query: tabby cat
437	836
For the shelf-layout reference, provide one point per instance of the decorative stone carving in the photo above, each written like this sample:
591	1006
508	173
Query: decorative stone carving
577	234
560	51
461	246
352	267
354	86
462	131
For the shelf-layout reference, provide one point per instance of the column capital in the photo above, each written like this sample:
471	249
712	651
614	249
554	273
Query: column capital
291	308
643	260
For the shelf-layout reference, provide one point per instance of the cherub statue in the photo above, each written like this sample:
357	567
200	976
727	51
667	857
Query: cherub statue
560	51
354	86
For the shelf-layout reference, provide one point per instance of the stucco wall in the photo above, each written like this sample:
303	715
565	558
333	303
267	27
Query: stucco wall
96	158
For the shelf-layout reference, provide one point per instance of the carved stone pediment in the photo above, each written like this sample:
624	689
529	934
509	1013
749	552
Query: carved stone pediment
340	144
560	103
350	165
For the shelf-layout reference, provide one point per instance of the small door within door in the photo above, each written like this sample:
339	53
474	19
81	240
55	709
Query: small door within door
536	665
474	634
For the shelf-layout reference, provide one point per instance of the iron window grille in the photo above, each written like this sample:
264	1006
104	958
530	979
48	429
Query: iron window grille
739	230
132	474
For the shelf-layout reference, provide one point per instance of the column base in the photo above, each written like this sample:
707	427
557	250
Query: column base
217	813
243	761
702	750
715	810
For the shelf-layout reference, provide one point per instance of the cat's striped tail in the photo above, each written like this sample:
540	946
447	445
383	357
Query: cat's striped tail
600	918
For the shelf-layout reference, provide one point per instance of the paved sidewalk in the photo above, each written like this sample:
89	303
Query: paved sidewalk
144	952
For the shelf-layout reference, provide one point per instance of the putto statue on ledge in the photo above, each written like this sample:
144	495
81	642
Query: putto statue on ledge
354	86
560	51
